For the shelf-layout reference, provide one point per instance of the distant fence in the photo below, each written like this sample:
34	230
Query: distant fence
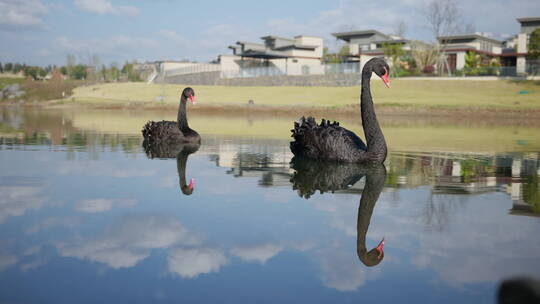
533	67
304	70
487	71
214	70
193	69
295	70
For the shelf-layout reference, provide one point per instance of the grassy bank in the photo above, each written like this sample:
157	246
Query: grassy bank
39	91
416	94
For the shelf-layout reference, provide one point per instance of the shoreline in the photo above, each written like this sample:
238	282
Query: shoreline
461	115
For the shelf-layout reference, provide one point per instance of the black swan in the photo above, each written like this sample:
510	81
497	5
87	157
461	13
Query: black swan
181	152
519	290
312	175
329	141
173	131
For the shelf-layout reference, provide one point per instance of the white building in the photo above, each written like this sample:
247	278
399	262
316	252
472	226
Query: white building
457	46
366	44
528	25
278	55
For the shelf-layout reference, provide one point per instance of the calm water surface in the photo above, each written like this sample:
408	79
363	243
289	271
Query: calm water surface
88	216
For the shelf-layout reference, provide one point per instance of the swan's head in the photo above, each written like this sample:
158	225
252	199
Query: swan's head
381	68
189	93
374	256
188	190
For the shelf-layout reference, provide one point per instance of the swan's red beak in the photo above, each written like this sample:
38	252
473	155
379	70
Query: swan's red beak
191	184
385	79
192	99
380	248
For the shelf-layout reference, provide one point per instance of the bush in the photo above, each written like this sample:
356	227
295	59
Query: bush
428	69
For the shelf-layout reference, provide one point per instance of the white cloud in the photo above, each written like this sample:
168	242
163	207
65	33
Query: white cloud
104	7
341	269
43	52
173	36
110	45
130	241
22	14
20	197
50	222
102	204
98	168
260	253
191	262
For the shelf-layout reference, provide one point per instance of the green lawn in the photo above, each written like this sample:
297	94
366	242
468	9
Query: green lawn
4	81
407	93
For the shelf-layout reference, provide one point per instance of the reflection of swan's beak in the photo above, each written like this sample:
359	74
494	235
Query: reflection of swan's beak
191	184
380	248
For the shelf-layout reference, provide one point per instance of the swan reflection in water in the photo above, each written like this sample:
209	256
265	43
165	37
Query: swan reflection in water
181	152
310	176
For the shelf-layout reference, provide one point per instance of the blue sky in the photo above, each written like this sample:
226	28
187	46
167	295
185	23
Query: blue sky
44	32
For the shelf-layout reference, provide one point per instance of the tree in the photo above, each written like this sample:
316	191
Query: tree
8	67
425	55
393	51
329	57
94	63
127	68
1	68
103	72
31	71
472	60
17	67
400	28
534	44
114	72
470	28
79	72
442	17
42	73
344	52
131	73
70	63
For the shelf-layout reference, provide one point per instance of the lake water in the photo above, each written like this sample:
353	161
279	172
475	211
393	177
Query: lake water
88	216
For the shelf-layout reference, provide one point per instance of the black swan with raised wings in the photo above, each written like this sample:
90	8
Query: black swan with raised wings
329	141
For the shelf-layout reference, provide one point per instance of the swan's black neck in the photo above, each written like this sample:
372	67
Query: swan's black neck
182	116
376	144
374	184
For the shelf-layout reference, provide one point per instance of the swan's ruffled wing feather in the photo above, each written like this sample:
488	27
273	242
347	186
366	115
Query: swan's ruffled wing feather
161	131
326	141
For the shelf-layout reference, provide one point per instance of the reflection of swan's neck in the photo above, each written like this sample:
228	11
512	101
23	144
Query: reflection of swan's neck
181	161
182	116
375	141
372	190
